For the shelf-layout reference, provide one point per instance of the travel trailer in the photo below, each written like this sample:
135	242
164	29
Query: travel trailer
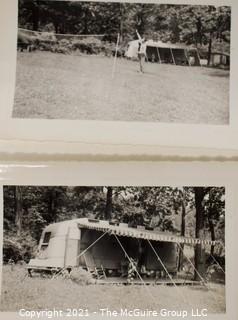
93	244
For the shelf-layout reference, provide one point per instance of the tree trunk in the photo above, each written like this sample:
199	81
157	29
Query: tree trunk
35	16
52	205
209	50
199	232
122	11
199	31
121	31
182	234
212	231
85	22
18	209
56	26
108	209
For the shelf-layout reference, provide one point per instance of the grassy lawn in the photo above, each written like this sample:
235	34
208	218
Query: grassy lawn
57	86
20	291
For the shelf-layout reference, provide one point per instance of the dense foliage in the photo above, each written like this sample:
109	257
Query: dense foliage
198	25
28	209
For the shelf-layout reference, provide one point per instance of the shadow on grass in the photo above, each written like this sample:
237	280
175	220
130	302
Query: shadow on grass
221	73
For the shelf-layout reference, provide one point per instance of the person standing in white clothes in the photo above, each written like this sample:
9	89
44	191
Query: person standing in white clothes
141	51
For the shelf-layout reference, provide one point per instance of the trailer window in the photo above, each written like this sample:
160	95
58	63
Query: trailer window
46	239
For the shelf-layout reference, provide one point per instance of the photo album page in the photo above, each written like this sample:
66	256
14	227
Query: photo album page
118	159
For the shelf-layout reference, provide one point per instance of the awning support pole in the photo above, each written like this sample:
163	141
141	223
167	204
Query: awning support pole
172	56
187	57
158	54
199	58
217	263
115	58
81	253
194	268
153	298
165	269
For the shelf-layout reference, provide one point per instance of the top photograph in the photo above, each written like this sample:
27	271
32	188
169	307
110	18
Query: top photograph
120	61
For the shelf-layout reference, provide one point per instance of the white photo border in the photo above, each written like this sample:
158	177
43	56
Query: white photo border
142	174
111	132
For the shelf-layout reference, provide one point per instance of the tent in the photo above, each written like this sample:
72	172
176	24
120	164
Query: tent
92	244
220	59
158	51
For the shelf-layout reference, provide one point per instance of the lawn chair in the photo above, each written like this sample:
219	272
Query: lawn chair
96	272
100	272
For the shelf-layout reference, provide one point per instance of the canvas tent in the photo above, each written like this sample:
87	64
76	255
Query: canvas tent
220	59
95	243
160	52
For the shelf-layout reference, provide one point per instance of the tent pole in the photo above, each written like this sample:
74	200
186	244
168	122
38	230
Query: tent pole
194	268
199	58
153	298
66	246
115	58
217	263
165	269
82	253
146	57
158	54
172	56
187	57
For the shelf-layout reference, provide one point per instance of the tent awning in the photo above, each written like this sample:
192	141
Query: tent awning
140	233
162	45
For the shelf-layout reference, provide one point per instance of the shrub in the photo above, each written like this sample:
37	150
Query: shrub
64	43
60	49
107	48
89	45
26	41
23	38
45	46
81	276
120	51
47	37
46	41
18	248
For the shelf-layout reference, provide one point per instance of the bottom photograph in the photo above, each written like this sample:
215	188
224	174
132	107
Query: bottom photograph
114	249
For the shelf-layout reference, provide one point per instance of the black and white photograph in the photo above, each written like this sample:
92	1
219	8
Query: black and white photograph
123	61
122	248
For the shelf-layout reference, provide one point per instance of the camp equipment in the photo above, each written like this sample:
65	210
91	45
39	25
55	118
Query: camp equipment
161	52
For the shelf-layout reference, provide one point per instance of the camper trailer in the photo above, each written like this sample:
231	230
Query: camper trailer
93	244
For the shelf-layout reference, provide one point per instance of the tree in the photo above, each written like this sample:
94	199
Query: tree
199	232
29	13
174	27
108	208
18	209
214	206
200	25
183	199
217	21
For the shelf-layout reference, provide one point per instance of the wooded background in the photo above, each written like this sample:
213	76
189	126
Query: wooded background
186	211
198	25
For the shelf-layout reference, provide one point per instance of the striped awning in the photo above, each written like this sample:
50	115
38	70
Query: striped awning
140	233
